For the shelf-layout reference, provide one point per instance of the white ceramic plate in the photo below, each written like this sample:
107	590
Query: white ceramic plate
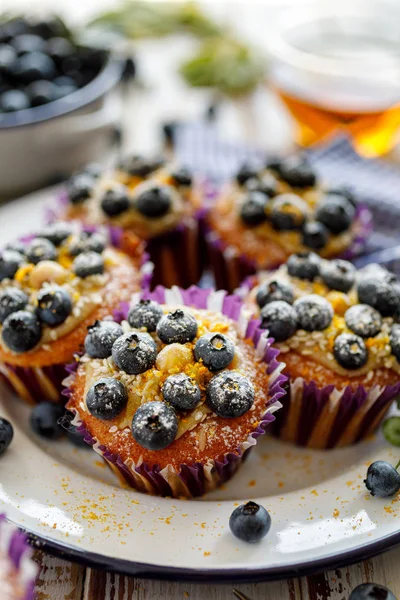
322	515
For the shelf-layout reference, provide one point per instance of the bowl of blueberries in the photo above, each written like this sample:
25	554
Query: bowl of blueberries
59	102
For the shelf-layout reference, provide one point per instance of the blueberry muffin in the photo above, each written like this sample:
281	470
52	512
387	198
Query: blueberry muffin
272	211
176	401
337	331
17	569
52	287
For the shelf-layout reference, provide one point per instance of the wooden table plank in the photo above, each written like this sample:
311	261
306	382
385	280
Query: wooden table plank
58	579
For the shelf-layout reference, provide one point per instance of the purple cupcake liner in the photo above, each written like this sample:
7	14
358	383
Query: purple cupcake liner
196	479
15	550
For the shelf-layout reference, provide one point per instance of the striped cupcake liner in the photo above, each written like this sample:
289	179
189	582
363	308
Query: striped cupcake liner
19	570
191	480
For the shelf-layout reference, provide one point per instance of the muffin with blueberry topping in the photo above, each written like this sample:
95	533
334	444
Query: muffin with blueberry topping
17	569
336	328
52	287
177	400
271	211
158	202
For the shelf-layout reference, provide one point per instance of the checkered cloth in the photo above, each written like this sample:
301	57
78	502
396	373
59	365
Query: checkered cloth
374	182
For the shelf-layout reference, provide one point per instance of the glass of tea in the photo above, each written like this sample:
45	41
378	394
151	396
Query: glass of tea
337	69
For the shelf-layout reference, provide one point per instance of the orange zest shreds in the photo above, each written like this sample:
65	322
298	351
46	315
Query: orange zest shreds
380	342
220	327
340	302
65	260
319	288
23	272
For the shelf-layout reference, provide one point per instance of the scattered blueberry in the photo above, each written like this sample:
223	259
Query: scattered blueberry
101	337
314	313
230	395
6	435
10	261
383	479
250	522
336	213
71	431
154	202
134	352
338	274
304	265
253	209
11	300
138	166
395	340
21	331
182	176
40	249
154	425
115	201
363	320
297	172
216	351
79	188
248	171
274	290
266	185
280	318
146	313
107	398
86	242
391	430
371	591
13	100
44	420
350	351
88	263
315	235
288	212
177	327
57	232
181	392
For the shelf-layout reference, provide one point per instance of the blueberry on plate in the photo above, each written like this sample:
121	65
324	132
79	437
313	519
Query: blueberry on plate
181	392
146	313
115	201
6	435
13	100
139	166
336	213
314	313
248	170
274	290
253	209
315	235
363	320
154	425
11	300
304	265
371	591
134	352
40	249
383	479
10	261
230	395
250	522
101	337
88	263
44	420
288	212
33	66
71	431
155	202
297	172
177	327
107	398
350	351
86	242
57	232
338	274
21	331
395	340
79	188
182	176
280	318
266	185
41	92
216	351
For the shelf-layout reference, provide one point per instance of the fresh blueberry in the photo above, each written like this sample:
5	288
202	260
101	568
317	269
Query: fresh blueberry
79	188
274	290
6	435
40	249
177	327
336	213
314	313
182	176
57	232
216	351
280	318
344	191
101	337
274	163
371	591
383	479
11	300
33	66
154	425
253	208
59	48
86	242
41	92
315	235
71	430
230	395
304	265
297	172
375	271
266	185
363	320
134	352
21	331
44	420
146	313
10	261
17	246
54	305
350	351
13	100
107	398
8	56
181	392
395	340
154	202
288	212
248	171
367	290
28	42
94	170
138	166
338	274
49	27
250	522
388	299
88	263
115	201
